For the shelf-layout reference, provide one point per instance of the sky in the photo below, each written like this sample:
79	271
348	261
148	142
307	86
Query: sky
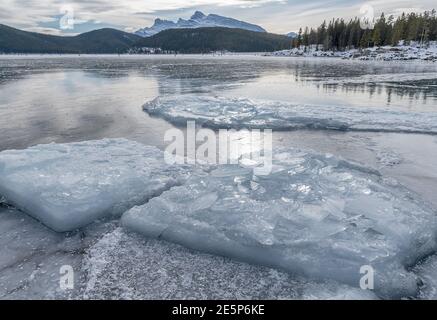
277	16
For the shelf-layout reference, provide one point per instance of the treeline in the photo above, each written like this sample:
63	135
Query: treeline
206	40
98	41
340	35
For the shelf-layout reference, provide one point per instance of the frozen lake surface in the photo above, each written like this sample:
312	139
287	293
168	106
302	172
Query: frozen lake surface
70	99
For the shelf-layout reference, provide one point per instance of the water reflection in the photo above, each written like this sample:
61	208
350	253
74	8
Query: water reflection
69	98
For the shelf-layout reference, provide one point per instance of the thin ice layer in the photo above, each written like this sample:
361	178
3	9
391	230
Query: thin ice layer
314	215
67	186
32	255
123	265
389	78
221	112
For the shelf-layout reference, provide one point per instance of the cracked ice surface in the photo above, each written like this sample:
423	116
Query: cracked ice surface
314	215
221	112
126	266
427	272
111	264
31	256
67	186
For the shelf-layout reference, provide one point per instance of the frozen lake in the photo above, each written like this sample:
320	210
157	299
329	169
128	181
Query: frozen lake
68	99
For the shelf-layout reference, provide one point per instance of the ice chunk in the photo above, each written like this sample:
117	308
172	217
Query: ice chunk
126	266
314	215
67	186
220	112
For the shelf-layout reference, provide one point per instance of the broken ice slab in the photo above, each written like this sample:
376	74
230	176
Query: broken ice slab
314	215
222	112
67	186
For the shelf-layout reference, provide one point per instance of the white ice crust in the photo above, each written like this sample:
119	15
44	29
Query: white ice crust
67	186
426	270
123	265
314	215
223	112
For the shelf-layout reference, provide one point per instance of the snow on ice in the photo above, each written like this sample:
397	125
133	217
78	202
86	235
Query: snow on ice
427	272
67	186
125	265
314	215
32	255
222	112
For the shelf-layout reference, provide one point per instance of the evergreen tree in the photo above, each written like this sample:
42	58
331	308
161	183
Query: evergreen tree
341	35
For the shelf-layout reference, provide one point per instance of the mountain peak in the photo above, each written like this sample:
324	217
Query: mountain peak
160	23
198	20
198	15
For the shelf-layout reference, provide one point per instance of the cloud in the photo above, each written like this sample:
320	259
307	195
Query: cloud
279	16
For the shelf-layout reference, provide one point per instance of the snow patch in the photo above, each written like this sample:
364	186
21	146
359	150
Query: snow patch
385	53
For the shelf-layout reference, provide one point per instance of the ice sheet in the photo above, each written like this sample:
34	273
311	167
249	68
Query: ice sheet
222	112
67	186
315	215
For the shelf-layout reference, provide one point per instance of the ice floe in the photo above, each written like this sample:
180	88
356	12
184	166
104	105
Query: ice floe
223	112
314	215
67	186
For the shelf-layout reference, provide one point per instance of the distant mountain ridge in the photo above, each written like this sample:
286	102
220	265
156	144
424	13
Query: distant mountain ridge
188	40
98	41
198	20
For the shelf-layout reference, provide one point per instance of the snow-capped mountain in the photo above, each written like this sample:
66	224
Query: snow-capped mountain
198	20
292	35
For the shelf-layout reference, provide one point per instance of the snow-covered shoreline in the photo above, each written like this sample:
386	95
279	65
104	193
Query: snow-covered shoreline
402	52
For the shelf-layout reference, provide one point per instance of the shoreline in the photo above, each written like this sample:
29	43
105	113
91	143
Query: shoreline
340	55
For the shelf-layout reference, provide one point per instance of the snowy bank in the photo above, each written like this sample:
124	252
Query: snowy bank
314	215
222	112
385	53
67	186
